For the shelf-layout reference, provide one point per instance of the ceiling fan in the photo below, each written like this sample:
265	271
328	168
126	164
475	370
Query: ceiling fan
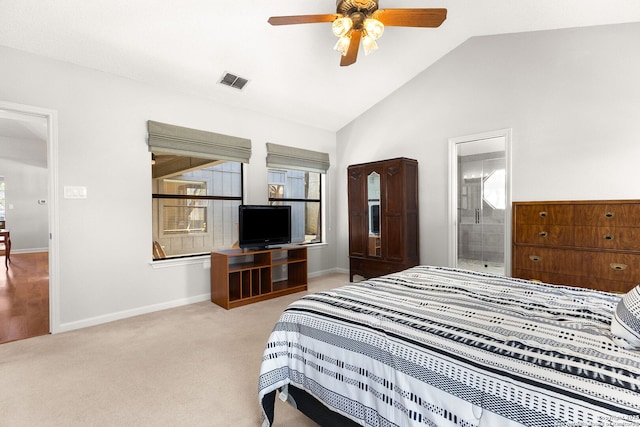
357	20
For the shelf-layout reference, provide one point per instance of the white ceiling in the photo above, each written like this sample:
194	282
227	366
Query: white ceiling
293	72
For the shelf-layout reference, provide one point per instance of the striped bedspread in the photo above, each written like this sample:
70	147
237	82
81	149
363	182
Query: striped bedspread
434	346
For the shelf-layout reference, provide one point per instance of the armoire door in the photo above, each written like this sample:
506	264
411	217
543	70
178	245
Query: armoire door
357	212
393	203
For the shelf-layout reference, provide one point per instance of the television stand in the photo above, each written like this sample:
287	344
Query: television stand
245	276
262	248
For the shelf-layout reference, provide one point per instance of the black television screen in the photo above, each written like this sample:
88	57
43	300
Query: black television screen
262	226
375	219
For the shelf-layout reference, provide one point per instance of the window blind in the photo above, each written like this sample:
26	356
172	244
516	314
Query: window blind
285	157
170	139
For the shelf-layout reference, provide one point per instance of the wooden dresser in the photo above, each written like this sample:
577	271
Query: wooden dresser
592	244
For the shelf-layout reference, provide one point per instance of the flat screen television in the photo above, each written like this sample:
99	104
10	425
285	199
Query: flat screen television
262	226
374	218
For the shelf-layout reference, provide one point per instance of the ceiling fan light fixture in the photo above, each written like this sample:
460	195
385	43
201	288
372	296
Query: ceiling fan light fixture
342	44
357	21
369	44
374	28
341	26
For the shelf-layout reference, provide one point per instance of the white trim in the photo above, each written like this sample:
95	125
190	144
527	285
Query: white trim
176	262
453	192
98	320
51	117
29	251
325	272
111	317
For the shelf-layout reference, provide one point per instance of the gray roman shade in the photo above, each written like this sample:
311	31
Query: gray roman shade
170	139
282	156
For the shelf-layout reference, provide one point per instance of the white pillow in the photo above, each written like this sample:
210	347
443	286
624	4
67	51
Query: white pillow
625	324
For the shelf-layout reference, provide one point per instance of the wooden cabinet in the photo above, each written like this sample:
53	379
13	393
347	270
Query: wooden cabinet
244	276
594	244
383	217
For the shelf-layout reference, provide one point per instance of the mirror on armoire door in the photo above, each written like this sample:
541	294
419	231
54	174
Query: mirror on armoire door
373	199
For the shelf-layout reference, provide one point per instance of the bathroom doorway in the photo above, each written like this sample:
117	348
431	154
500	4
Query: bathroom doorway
480	202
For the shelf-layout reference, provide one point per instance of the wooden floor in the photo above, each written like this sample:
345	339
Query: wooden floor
24	296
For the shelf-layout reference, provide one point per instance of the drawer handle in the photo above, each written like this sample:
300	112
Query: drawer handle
543	214
535	258
608	237
543	234
618	267
609	215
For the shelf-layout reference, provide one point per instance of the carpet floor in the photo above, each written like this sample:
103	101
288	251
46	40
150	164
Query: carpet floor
195	365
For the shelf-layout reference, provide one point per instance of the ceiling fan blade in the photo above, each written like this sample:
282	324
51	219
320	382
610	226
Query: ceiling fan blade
352	52
302	19
411	17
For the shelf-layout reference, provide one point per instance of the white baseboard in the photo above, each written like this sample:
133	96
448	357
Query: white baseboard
28	251
106	318
324	272
341	270
98	320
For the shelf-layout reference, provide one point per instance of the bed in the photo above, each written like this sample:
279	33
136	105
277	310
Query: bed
434	346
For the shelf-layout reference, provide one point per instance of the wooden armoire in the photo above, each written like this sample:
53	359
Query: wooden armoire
383	217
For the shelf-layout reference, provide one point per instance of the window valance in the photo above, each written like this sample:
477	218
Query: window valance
282	156
170	139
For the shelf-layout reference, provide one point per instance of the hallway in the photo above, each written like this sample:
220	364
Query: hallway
24	297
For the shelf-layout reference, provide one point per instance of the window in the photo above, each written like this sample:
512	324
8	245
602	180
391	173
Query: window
302	190
195	208
197	188
296	177
494	185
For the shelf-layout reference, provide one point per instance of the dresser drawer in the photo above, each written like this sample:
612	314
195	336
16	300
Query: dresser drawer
610	214
606	285
547	277
617	238
550	260
543	214
612	266
550	235
579	281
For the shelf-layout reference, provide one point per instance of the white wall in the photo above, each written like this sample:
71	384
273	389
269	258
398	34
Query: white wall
105	240
571	97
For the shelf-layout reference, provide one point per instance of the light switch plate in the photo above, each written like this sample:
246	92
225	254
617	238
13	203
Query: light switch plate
75	192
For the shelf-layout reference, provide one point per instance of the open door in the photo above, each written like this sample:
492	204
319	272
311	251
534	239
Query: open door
29	148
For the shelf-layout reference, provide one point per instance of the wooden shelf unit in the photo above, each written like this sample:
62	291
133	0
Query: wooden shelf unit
245	276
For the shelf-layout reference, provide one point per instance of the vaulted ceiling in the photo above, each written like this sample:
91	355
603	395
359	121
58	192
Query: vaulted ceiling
293	71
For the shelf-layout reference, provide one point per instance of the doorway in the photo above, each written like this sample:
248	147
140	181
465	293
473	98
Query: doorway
480	202
29	141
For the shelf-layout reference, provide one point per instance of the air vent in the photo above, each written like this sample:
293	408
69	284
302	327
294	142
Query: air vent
233	81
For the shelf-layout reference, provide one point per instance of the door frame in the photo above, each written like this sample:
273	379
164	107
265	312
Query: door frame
51	117
453	192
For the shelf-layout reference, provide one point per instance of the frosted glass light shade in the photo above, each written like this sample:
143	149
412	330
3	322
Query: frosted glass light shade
342	45
374	28
341	26
369	44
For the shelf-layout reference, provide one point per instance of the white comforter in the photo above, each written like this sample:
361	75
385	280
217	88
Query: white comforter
444	347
